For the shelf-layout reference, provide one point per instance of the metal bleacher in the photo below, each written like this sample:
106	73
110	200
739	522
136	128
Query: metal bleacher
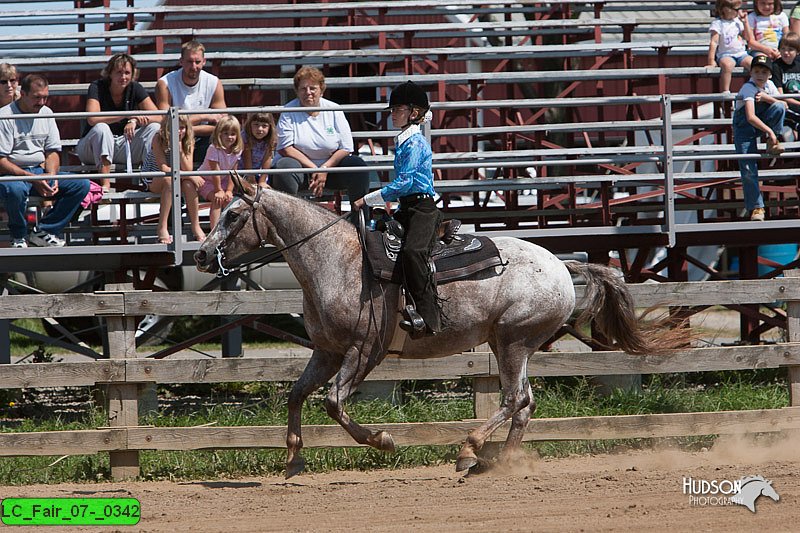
564	96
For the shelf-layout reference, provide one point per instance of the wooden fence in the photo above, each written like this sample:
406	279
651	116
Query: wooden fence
126	373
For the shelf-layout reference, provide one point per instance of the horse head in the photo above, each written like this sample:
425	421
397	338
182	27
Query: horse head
242	228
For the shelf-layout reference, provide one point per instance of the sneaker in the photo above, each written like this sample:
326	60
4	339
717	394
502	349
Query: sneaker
19	243
45	239
757	214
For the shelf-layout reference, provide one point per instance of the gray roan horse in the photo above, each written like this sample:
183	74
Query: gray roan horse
350	317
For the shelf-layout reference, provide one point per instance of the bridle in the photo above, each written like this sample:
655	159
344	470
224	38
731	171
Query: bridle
262	243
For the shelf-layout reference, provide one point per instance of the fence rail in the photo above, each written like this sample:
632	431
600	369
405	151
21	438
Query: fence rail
126	373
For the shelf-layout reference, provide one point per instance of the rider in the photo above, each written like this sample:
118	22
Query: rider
413	187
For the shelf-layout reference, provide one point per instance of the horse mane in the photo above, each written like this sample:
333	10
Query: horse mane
249	189
313	211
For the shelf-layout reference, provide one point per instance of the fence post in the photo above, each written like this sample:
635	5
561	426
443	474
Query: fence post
487	396
123	398
5	341
793	335
5	328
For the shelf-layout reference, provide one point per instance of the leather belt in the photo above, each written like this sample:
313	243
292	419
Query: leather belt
415	197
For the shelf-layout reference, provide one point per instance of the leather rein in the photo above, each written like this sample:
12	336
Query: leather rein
254	206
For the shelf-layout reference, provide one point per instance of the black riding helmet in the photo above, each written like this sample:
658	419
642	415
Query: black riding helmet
410	94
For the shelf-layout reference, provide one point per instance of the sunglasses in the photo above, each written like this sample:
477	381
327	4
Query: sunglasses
8	82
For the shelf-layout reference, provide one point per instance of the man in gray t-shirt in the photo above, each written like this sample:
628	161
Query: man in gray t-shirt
30	147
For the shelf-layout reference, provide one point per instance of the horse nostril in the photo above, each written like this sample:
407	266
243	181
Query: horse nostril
200	256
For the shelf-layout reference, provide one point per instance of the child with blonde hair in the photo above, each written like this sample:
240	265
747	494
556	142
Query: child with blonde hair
260	139
223	154
158	159
727	47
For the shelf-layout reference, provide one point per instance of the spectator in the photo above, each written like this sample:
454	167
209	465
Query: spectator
9	84
413	188
756	111
786	75
113	139
794	18
318	140
158	160
727	47
767	24
223	154
190	87
259	137
30	147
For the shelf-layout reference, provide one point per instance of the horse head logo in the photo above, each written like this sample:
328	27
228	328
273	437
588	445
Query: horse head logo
752	488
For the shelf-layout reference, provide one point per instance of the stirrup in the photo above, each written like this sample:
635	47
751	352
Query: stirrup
450	228
412	323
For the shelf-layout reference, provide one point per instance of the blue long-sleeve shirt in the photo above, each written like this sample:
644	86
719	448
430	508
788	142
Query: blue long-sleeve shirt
413	167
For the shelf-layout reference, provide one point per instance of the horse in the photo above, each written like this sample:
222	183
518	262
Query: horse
350	316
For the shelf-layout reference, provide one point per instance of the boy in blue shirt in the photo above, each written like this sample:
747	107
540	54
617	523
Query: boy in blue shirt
757	113
413	188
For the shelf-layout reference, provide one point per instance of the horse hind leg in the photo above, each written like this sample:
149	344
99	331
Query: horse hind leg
354	369
517	397
519	422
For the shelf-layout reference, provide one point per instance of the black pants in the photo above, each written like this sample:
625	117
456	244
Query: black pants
421	219
356	183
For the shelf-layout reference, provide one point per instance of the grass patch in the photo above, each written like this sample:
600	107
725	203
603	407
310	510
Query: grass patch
237	404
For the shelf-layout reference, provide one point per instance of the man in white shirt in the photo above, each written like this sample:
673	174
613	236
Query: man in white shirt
191	87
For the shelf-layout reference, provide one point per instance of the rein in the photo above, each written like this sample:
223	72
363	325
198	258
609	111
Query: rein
254	205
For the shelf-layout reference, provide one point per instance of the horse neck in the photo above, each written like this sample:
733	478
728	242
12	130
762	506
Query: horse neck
323	260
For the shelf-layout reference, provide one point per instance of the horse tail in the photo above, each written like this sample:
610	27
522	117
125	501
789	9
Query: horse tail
610	305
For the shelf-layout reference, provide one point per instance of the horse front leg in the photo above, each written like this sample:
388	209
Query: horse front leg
320	368
355	368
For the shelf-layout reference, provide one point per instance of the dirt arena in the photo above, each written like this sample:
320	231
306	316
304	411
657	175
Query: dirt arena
632	491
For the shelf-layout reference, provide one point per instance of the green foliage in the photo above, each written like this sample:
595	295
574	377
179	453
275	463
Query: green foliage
237	404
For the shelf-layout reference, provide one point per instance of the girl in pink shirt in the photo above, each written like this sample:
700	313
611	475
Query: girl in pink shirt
223	154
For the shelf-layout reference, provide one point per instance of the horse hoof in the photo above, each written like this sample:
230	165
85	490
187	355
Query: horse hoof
383	441
481	467
466	463
295	466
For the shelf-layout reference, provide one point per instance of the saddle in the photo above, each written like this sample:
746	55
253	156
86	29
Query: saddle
455	256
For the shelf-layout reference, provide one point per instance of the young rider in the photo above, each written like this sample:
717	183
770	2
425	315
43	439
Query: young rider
413	187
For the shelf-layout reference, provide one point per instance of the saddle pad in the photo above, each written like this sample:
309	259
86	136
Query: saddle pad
453	262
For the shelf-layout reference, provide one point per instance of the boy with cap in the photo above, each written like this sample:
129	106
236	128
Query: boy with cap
413	187
757	111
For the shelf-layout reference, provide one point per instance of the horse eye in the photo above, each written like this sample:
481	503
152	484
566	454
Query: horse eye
232	216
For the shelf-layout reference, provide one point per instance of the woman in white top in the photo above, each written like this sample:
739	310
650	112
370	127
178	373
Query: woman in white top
317	140
9	84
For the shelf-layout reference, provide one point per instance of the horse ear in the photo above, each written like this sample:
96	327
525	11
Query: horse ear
237	181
